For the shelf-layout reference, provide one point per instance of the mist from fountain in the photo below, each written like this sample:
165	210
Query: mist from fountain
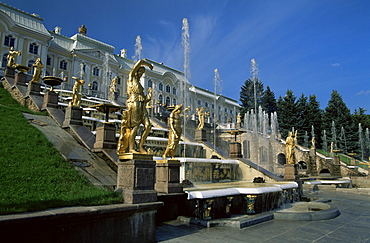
81	72
217	84
343	140
361	141
367	143
105	78
334	135
325	141
138	49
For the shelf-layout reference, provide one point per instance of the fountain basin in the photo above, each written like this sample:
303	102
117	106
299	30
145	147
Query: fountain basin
52	81
307	211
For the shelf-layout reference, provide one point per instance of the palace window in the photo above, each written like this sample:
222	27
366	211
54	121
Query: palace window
206	104
168	88
174	91
199	102
63	65
160	98
174	102
96	71
168	101
150	83
118	80
34	48
4	61
29	64
48	60
9	40
95	85
160	86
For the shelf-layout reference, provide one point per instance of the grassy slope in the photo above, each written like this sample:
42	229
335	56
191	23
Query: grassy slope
33	175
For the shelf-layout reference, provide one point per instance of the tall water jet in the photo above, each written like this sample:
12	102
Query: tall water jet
334	135
81	72
217	84
138	48
183	83
367	143
343	140
104	74
361	141
254	73
324	141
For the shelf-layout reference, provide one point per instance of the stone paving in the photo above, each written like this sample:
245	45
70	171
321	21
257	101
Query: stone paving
352	225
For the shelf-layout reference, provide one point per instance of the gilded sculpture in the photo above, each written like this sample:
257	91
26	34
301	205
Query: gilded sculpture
174	123
200	117
291	144
112	89
124	134
37	70
76	95
136	106
82	30
11	57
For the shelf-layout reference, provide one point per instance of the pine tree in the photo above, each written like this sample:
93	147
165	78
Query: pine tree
314	118
269	101
247	95
338	112
302	122
287	113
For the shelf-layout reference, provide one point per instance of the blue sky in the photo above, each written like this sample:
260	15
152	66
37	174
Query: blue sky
307	46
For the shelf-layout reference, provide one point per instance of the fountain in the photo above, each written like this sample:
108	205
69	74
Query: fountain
50	97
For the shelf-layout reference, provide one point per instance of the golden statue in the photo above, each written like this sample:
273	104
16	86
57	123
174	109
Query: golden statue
313	142
82	30
76	96
11	57
124	134
174	135
37	71
136	105
200	117
290	147
112	89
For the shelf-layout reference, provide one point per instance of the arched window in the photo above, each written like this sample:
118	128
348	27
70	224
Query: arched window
302	166
174	90
168	101
63	65
174	102
96	71
160	98
281	159
4	62
168	88
95	85
150	83
199	102
34	48
160	86
9	40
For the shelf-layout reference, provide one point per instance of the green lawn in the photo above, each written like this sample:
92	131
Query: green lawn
33	175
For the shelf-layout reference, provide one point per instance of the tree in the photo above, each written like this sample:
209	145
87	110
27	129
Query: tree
268	101
337	112
314	118
247	95
287	112
359	116
302	122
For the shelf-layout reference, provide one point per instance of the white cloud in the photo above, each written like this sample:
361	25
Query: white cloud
335	65
363	92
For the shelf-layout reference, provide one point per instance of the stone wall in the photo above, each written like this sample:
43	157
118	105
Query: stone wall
109	223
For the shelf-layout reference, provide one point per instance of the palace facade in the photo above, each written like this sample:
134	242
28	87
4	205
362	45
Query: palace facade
95	61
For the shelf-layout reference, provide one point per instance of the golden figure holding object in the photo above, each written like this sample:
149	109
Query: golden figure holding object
174	135
37	71
76	96
291	144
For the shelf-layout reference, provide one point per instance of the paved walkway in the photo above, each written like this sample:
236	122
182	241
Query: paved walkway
353	225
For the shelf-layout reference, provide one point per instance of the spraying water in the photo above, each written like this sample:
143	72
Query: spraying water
334	135
361	141
254	73
183	83
343	140
105	74
81	72
217	82
138	48
324	142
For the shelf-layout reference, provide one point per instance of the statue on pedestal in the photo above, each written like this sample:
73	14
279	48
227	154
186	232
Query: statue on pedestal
290	147
112	89
11	57
174	135
200	117
82	30
136	105
37	71
76	96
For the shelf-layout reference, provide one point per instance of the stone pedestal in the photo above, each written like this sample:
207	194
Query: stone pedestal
105	136
353	161
235	150
34	88
312	167
50	100
291	172
336	160
9	72
20	79
200	135
73	116
168	176
136	177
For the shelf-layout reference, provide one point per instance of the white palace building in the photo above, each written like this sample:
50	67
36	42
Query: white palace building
66	57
